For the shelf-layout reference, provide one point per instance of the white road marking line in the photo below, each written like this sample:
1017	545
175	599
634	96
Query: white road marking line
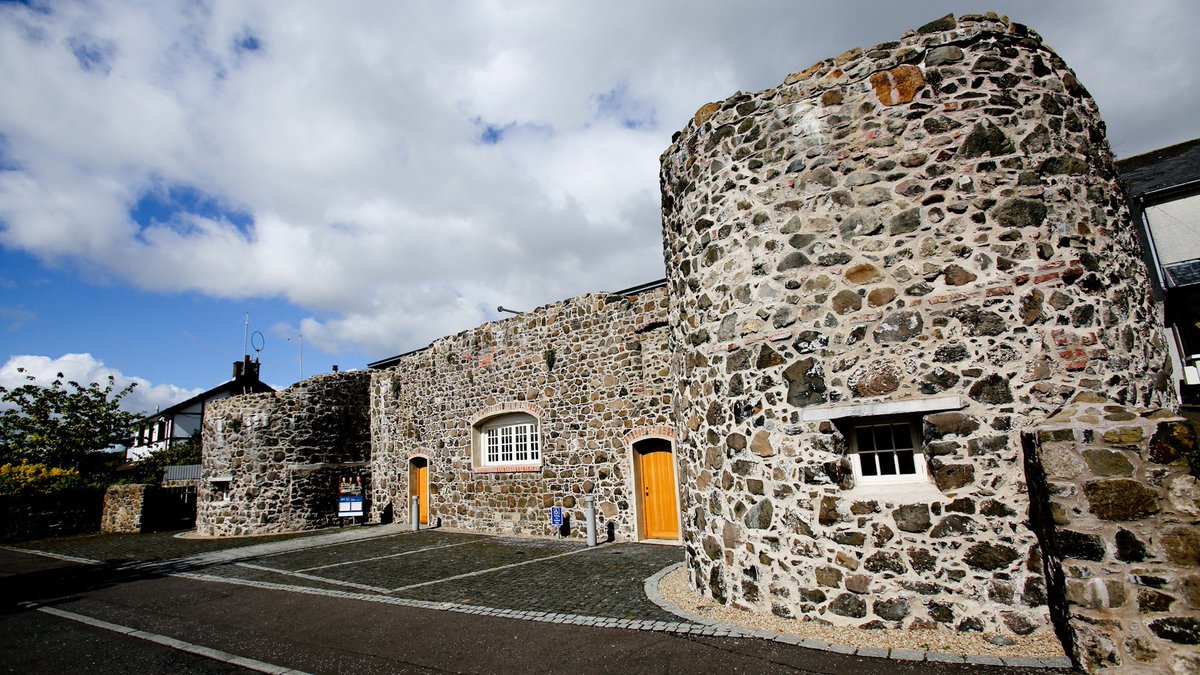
312	577
488	571
208	652
56	556
344	542
384	557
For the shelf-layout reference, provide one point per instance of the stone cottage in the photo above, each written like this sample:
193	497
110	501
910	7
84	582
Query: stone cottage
906	370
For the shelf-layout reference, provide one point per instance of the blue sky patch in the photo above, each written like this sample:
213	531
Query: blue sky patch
166	202
39	6
247	42
91	54
7	163
493	134
617	104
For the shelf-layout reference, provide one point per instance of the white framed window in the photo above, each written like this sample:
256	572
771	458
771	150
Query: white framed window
886	451
510	440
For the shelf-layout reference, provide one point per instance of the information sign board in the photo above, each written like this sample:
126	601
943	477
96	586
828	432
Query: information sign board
350	497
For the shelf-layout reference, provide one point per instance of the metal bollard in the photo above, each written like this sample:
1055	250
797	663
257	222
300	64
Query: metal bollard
415	513
589	512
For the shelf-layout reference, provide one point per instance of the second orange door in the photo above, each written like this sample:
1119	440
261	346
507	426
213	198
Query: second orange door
660	505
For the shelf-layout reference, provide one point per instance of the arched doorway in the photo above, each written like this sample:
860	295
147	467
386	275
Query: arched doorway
657	493
418	486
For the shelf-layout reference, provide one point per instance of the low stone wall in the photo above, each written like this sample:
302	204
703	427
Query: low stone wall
124	507
1118	516
271	462
25	517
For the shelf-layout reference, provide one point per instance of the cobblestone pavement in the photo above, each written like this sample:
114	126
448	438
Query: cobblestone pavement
466	569
504	573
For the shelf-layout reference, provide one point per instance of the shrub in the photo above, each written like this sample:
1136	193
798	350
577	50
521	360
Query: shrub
31	479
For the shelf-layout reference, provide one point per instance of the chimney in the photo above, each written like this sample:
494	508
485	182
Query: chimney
245	369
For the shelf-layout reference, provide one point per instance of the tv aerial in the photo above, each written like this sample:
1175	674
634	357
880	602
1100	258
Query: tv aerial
258	342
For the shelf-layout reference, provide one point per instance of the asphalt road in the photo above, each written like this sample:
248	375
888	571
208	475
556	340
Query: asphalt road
323	634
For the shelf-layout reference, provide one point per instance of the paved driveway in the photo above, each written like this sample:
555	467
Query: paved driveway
381	570
475	570
393	564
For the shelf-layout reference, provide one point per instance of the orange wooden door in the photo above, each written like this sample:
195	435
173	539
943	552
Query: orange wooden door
660	505
418	484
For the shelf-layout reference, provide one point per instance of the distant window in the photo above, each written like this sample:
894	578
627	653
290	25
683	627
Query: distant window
887	451
1173	227
512	439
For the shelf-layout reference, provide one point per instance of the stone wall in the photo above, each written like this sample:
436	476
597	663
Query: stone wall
124	506
271	462
1117	508
929	226
593	369
24	517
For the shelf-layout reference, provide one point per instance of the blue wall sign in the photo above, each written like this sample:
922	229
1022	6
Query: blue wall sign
556	517
350	506
350	496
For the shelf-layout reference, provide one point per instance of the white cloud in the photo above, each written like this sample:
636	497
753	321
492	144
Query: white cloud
85	369
353	137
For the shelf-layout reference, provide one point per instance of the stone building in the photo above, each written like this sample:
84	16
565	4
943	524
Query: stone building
496	425
906	370
272	461
882	273
1163	187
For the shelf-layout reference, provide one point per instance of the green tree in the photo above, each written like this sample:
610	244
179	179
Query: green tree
61	424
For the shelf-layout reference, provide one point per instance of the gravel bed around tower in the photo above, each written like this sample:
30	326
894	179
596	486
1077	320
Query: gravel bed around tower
674	589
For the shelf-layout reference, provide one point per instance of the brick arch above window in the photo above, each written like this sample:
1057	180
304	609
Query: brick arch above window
507	438
505	408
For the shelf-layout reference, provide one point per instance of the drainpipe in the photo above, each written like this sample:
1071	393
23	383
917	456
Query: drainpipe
589	511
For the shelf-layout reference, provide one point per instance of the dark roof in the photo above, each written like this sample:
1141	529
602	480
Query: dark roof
182	472
233	388
1162	170
1185	273
632	290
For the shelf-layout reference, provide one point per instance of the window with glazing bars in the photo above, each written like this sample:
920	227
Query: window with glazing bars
887	452
511	444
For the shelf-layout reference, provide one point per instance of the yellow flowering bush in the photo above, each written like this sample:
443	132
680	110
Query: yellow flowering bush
25	479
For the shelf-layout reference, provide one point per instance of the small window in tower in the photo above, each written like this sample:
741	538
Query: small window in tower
887	451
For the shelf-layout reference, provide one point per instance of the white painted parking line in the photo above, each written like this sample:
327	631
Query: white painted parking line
487	571
384	557
56	556
207	652
312	577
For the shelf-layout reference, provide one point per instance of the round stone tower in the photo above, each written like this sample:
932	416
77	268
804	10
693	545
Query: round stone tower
881	271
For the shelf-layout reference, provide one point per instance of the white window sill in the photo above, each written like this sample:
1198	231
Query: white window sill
509	468
879	408
901	493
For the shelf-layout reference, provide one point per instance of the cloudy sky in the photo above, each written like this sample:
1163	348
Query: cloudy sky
373	175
